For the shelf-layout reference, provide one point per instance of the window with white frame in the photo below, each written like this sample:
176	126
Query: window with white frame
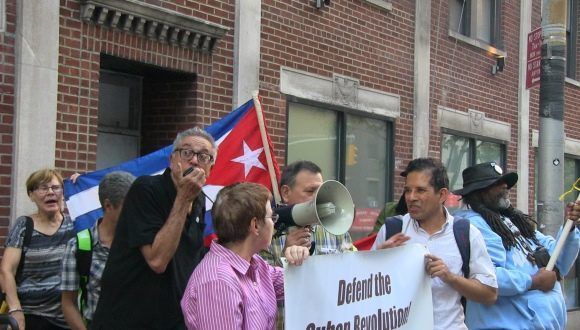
353	148
476	19
571	38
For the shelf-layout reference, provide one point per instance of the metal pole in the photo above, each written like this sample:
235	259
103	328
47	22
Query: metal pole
551	140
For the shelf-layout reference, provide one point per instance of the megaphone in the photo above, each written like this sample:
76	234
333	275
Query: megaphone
332	208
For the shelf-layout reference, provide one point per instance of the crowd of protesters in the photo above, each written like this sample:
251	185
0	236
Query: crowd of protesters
148	267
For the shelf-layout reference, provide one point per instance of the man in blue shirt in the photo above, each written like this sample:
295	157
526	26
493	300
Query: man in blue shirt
529	295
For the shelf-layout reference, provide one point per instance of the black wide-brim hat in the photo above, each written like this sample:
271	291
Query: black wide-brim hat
484	175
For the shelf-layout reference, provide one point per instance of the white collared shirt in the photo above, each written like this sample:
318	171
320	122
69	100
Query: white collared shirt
447	309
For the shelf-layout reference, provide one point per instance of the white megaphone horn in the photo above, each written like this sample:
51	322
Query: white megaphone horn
332	208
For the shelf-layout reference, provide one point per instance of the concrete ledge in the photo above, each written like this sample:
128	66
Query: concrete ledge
571	146
153	22
386	5
339	90
572	82
474	123
478	43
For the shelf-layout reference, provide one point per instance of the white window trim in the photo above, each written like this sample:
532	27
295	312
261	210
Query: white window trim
573	82
2	16
460	121
309	86
571	146
386	5
478	43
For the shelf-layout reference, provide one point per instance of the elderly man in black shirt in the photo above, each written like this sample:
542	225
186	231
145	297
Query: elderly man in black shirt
159	241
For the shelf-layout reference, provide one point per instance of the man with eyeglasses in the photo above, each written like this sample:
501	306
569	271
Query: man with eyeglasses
158	242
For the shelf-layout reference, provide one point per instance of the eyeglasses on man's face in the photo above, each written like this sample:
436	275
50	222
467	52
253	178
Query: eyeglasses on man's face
202	157
43	189
274	217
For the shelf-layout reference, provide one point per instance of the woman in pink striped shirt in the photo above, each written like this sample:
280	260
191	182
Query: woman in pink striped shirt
233	287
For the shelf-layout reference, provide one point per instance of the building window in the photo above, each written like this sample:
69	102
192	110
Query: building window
476	19
459	152
572	280
351	148
119	118
571	38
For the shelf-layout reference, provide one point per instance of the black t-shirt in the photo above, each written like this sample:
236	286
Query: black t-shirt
133	296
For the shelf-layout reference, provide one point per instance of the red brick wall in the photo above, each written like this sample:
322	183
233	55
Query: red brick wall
82	43
168	108
572	94
462	79
7	73
351	38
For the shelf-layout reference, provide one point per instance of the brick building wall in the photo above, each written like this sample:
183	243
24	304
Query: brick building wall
7	76
350	38
169	107
81	46
572	92
461	76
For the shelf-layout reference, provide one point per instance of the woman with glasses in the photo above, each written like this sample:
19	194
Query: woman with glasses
30	271
233	287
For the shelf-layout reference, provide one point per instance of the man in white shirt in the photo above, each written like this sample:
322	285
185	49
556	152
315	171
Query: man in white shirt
428	222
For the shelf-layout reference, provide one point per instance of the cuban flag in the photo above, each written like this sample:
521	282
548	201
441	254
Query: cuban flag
240	158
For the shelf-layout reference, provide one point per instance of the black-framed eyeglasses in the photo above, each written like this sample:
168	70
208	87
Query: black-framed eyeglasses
274	217
43	190
202	157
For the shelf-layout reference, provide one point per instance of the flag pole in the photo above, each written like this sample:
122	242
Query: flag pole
560	242
271	171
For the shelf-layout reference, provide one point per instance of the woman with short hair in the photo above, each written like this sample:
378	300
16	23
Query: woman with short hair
233	287
32	292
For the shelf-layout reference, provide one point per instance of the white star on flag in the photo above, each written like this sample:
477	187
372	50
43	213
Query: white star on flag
250	159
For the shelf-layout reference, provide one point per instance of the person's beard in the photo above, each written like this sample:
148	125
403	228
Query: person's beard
499	202
504	202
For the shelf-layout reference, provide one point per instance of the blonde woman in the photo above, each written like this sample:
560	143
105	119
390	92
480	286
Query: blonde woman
32	289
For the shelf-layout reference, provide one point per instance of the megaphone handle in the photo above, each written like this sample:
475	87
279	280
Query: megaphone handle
312	247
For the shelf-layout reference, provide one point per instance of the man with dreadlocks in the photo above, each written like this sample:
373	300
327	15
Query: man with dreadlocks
529	295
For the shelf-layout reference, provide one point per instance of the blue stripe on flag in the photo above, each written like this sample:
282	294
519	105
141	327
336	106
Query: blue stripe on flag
87	220
80	196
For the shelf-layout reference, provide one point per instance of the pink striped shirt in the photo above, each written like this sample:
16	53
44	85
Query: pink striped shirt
227	292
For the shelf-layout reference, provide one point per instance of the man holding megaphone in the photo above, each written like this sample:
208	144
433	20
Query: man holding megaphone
299	183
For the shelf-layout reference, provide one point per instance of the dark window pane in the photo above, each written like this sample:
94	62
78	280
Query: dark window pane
455	156
366	168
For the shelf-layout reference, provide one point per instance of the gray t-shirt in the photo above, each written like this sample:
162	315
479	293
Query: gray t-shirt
39	289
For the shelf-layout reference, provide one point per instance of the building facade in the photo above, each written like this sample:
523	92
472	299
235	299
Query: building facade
359	86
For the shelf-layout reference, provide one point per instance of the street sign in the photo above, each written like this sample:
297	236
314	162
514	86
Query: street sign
534	58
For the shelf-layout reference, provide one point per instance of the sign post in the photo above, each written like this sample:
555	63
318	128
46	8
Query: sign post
534	58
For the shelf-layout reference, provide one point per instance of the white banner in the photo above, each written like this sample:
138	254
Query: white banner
386	289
